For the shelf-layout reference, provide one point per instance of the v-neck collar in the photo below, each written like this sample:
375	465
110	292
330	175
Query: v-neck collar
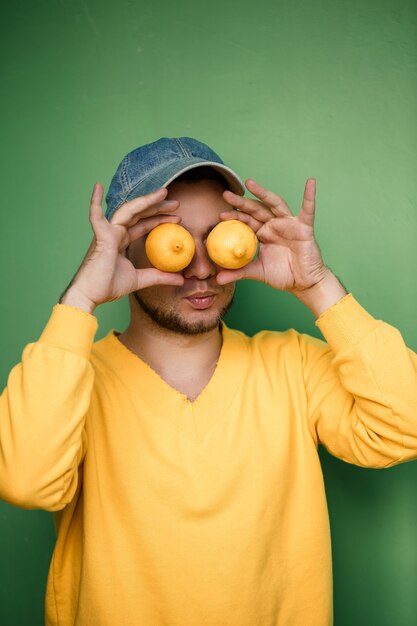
193	417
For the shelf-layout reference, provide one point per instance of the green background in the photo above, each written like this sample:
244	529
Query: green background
283	91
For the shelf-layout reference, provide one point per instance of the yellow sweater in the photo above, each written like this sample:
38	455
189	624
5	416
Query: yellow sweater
204	513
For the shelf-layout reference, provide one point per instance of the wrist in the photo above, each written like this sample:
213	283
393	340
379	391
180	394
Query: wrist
77	299
323	294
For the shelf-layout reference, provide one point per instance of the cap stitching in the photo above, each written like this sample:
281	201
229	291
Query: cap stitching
148	175
183	148
124	176
126	182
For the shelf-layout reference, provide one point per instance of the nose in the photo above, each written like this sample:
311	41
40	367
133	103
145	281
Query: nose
201	266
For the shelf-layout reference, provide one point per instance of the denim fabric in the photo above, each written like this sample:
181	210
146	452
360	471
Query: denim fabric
157	164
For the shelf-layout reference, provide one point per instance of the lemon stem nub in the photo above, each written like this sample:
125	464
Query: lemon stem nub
169	247
231	244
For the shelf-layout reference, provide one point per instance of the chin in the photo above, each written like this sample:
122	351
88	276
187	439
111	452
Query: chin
202	322
193	322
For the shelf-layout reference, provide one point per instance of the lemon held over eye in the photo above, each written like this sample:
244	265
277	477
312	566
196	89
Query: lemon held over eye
231	244
169	247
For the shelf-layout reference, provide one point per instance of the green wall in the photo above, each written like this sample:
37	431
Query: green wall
283	91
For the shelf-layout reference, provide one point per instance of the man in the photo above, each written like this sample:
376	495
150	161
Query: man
180	456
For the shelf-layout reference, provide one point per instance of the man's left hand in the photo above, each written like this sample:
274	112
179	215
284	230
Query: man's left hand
289	257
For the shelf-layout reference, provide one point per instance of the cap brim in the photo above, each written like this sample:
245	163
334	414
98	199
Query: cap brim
235	183
163	176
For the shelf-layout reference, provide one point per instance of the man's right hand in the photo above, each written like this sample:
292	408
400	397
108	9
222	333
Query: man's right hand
106	274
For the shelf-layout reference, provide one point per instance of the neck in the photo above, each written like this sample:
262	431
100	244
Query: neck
186	362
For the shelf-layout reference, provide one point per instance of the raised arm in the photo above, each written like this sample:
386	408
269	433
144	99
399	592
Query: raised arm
289	258
362	386
43	408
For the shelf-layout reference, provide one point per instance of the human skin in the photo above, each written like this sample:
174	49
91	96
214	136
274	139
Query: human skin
288	259
197	305
116	265
105	273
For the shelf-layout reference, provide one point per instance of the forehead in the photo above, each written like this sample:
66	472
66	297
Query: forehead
201	203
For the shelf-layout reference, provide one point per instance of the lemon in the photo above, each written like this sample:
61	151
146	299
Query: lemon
169	247
231	244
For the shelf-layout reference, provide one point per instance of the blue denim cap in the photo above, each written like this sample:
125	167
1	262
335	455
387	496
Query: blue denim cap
157	164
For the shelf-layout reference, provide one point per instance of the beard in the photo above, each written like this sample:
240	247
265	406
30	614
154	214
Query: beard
170	319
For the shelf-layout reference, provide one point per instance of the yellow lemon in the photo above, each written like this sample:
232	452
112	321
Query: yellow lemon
231	244
169	247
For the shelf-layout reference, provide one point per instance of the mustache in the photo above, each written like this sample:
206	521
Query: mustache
194	288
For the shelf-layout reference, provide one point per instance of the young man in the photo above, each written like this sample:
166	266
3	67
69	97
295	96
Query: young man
180	456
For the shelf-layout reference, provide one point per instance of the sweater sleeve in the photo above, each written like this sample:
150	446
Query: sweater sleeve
42	413
361	388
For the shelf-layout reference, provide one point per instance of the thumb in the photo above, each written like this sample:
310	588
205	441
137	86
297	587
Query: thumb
151	276
252	271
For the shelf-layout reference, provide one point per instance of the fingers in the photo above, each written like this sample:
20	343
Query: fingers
97	218
306	214
143	206
144	226
230	276
277	204
248	205
254	224
252	271
97	194
274	203
151	276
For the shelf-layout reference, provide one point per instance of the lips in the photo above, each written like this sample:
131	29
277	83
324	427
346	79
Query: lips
201	299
